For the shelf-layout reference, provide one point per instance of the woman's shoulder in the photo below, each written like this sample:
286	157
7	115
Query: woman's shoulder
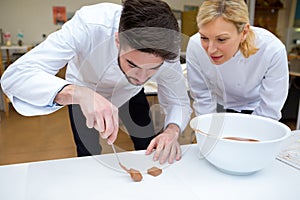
264	38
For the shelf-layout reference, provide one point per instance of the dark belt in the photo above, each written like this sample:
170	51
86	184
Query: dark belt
242	111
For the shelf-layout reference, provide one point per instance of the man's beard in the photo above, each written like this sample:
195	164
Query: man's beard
129	78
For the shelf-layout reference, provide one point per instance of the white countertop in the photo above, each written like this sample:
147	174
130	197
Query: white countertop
15	47
99	177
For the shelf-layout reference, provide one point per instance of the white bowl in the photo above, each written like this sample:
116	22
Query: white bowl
239	157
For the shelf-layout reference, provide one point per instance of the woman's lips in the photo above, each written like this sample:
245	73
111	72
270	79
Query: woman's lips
216	58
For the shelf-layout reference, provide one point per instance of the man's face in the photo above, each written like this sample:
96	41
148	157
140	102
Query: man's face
138	66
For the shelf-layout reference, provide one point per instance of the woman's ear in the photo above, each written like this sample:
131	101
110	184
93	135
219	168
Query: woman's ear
117	40
245	32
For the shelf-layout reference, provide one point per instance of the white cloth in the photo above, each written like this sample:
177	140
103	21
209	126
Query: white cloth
87	44
258	83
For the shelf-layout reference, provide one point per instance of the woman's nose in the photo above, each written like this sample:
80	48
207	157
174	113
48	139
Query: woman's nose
211	47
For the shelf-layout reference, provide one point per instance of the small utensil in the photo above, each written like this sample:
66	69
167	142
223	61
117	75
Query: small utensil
135	174
115	152
228	137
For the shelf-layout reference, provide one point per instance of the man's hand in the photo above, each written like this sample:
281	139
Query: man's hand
98	111
166	144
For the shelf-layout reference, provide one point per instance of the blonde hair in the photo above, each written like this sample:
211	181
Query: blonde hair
235	11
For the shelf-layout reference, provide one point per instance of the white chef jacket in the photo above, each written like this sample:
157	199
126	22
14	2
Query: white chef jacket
86	44
258	83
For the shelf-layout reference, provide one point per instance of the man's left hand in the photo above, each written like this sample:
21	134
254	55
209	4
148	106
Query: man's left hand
166	145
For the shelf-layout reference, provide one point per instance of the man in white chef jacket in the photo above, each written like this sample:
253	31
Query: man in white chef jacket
110	51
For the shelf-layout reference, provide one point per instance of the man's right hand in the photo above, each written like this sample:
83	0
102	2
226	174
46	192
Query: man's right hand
100	113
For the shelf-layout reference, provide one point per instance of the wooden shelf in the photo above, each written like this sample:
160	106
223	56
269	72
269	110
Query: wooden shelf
267	17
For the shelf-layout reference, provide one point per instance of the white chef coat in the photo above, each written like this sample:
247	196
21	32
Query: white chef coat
87	44
258	83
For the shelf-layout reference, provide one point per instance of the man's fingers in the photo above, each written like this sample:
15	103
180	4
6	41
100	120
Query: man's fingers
100	114
175	153
113	130
107	121
90	122
178	152
111	139
111	123
151	146
166	153
159	150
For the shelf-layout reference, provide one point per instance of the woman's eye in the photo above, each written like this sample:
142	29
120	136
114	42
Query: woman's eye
222	39
204	38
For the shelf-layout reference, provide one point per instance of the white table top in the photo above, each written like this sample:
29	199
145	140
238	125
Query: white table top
15	47
99	177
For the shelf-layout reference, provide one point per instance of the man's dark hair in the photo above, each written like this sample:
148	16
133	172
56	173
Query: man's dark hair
150	26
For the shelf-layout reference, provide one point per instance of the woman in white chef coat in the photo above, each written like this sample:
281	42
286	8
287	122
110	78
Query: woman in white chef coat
110	51
241	67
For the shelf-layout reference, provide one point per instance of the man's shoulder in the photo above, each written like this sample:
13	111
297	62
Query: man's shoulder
101	7
101	13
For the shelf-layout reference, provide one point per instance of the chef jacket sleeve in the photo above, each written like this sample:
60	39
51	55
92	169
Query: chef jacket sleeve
173	96
30	83
274	87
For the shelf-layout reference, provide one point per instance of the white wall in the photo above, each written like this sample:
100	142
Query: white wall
34	17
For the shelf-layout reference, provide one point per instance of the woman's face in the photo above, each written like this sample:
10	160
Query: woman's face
221	40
